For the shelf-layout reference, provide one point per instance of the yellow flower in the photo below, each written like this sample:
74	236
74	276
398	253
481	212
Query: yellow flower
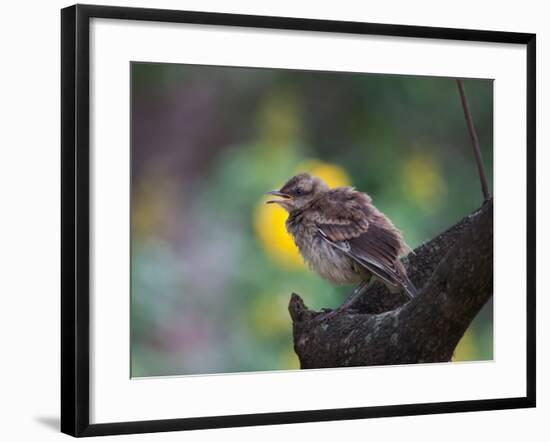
279	121
277	322
466	348
335	176
289	359
269	219
151	208
422	180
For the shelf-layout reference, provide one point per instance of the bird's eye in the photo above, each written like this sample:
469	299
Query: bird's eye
298	191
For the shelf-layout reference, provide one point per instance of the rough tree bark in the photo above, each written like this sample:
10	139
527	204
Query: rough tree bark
454	275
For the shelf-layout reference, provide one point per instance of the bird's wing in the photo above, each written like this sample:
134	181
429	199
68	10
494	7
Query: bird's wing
348	221
366	249
371	245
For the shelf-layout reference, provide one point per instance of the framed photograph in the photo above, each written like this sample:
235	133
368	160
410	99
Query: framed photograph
275	220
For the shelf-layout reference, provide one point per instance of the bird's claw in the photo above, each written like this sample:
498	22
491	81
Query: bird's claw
327	314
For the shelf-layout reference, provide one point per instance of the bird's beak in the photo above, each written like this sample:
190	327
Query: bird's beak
278	193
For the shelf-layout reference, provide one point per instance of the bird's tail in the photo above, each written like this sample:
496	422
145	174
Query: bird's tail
404	281
409	287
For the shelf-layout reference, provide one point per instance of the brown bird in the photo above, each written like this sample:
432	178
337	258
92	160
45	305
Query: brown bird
343	236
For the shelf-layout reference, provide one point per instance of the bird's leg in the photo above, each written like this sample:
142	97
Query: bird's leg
357	292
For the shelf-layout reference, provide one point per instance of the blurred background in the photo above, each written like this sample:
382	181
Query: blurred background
212	265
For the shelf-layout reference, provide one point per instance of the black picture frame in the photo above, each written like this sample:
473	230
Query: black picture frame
75	212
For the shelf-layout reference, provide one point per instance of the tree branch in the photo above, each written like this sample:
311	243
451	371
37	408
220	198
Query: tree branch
454	272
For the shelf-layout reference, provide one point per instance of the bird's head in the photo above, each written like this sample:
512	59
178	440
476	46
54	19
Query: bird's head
298	191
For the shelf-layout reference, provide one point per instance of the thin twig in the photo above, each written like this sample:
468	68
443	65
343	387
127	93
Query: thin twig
475	141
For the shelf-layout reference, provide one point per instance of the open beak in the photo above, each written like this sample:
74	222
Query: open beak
278	193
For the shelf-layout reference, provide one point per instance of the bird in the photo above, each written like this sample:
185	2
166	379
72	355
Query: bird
342	236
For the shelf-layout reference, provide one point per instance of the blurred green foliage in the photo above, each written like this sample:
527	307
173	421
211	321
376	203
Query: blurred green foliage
208	294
